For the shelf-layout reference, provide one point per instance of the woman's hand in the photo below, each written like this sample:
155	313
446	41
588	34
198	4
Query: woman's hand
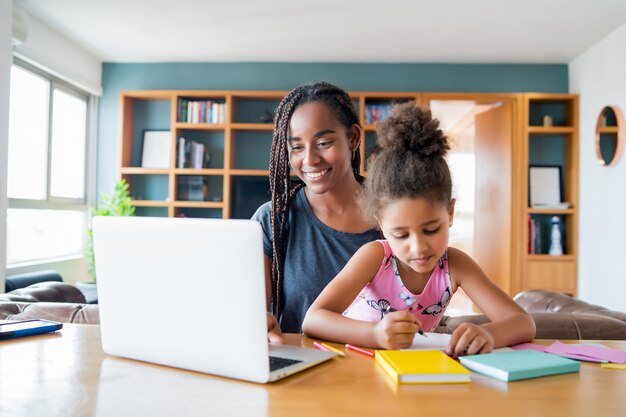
396	330
470	339
274	335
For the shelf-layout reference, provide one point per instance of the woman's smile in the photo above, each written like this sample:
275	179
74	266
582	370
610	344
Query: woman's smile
314	175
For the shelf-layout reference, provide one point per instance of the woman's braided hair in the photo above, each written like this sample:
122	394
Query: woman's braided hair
282	187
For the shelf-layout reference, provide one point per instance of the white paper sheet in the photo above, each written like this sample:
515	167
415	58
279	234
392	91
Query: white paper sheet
433	341
437	341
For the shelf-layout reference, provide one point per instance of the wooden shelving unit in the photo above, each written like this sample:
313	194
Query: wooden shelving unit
555	145
235	180
239	148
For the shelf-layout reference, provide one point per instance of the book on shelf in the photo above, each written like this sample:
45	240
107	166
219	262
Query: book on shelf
190	188
421	367
182	155
561	205
196	155
192	154
534	236
376	112
519	364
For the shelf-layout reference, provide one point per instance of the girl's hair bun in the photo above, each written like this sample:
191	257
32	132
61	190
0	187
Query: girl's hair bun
409	128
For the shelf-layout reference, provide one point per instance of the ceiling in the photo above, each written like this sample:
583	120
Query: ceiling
390	31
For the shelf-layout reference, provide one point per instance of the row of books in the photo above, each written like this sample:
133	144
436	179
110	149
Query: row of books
191	188
192	154
541	237
201	111
376	112
534	236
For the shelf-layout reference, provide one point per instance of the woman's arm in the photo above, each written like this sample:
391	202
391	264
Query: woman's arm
274	335
509	325
324	319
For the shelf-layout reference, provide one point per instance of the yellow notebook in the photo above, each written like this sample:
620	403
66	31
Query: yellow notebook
421	367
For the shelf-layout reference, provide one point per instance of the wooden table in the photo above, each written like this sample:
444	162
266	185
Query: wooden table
67	374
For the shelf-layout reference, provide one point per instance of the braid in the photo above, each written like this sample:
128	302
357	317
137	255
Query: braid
280	192
346	103
282	187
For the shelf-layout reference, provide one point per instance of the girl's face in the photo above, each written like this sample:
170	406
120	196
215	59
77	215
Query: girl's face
417	230
320	148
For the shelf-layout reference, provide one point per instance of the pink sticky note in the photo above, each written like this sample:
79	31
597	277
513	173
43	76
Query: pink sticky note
587	353
611	355
529	346
558	348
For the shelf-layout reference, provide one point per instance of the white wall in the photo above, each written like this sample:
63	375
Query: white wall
6	15
61	57
599	76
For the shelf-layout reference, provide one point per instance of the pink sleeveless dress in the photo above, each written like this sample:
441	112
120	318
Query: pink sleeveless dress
386	293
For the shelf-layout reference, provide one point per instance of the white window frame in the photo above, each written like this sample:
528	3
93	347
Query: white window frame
60	203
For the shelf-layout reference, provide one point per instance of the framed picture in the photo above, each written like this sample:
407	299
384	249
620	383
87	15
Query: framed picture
157	149
545	185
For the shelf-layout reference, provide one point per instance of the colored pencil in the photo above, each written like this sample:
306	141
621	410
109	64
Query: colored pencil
360	350
319	346
332	349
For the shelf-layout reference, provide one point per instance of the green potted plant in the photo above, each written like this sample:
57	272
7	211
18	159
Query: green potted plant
115	203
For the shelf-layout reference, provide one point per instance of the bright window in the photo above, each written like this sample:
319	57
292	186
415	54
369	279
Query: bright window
47	168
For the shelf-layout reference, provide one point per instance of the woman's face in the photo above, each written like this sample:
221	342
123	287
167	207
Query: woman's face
320	148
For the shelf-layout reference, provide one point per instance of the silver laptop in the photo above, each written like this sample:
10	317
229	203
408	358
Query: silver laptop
189	293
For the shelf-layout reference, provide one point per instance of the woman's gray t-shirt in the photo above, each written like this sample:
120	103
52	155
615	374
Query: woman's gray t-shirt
315	253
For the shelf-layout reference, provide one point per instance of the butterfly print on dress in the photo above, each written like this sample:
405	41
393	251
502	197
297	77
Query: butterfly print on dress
381	305
435	309
443	258
407	299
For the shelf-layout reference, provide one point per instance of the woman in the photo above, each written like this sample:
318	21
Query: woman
312	225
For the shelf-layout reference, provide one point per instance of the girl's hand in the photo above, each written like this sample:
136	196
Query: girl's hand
470	339
396	330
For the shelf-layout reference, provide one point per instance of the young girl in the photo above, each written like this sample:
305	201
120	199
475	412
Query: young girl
392	288
312	225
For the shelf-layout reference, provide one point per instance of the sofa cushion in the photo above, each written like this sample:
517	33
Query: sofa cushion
558	316
13	282
561	326
56	301
61	312
46	291
538	301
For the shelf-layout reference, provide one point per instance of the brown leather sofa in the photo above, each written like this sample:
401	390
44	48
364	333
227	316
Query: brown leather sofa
559	316
55	301
556	315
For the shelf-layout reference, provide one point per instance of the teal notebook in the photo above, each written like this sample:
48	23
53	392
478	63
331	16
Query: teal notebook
519	364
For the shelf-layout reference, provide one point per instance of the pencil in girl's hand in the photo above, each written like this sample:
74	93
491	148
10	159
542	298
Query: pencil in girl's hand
360	350
420	331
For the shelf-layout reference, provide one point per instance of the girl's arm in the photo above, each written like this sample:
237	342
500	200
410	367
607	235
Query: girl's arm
509	325
324	319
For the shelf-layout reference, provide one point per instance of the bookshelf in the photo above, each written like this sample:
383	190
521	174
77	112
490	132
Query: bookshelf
550	138
234	181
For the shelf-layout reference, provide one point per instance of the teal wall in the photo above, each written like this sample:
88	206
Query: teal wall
505	78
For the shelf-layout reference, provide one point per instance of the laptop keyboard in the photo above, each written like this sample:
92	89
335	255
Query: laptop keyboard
277	363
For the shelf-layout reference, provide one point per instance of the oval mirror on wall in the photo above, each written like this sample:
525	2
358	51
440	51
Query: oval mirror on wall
609	136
